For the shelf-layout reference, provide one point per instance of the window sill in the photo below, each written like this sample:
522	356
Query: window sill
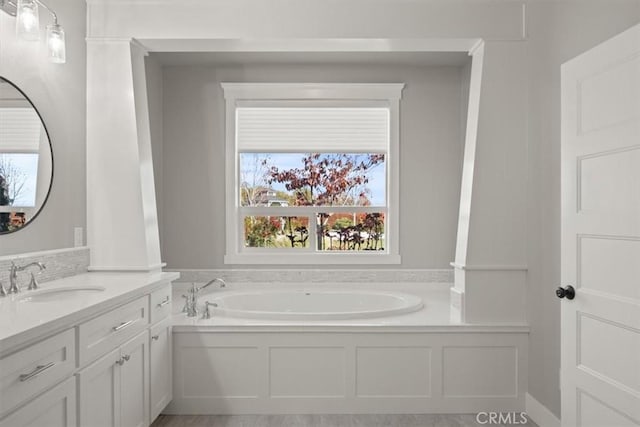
314	259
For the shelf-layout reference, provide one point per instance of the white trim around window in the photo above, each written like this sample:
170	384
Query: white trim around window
328	95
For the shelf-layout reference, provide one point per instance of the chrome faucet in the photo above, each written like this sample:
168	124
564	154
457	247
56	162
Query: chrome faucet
223	284
13	276
191	305
207	312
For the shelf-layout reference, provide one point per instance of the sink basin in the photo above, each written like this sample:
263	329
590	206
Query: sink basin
48	295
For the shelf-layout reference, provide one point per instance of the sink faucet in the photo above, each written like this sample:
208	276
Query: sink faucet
191	306
13	275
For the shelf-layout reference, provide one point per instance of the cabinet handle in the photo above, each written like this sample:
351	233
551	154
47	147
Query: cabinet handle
166	301
122	325
155	337
123	359
39	369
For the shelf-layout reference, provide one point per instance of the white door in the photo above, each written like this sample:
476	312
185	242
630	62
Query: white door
601	234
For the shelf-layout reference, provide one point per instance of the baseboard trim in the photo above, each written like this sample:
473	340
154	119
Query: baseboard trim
539	413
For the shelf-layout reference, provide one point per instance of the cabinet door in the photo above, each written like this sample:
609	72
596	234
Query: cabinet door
55	408
134	382
160	367
98	387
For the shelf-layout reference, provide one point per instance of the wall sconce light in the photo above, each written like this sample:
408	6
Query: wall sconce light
28	26
28	20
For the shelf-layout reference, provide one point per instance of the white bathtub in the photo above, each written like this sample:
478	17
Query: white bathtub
341	348
286	304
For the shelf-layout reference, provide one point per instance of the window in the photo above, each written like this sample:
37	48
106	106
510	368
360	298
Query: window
20	134
312	173
20	137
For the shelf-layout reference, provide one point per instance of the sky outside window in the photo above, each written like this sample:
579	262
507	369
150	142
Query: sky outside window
254	172
23	171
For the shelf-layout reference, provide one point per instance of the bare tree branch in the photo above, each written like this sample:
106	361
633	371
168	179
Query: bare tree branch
15	178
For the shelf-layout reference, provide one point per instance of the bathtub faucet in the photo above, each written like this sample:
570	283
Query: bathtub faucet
191	306
223	284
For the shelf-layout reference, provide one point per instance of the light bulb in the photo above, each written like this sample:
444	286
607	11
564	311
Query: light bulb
57	51
27	20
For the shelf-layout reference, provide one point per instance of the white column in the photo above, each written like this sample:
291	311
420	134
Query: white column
122	225
490	270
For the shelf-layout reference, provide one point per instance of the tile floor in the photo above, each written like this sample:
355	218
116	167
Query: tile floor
429	420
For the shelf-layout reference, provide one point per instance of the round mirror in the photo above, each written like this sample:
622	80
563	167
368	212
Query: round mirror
26	159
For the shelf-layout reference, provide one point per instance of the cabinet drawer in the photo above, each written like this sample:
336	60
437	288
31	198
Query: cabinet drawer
29	371
160	304
55	408
106	332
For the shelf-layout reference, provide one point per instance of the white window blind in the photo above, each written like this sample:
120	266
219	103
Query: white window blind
19	130
313	129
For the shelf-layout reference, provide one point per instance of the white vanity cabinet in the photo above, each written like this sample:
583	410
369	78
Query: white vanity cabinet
131	384
114	390
106	364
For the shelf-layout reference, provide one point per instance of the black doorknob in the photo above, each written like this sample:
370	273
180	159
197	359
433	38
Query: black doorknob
567	292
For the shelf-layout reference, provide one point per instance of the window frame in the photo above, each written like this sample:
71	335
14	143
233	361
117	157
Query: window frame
237	95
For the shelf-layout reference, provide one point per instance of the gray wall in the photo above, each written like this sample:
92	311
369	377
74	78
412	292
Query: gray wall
558	31
193	172
59	94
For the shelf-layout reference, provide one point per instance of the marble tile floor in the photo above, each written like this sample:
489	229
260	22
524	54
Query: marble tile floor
404	420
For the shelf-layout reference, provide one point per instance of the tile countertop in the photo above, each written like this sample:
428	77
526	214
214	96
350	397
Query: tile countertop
23	322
